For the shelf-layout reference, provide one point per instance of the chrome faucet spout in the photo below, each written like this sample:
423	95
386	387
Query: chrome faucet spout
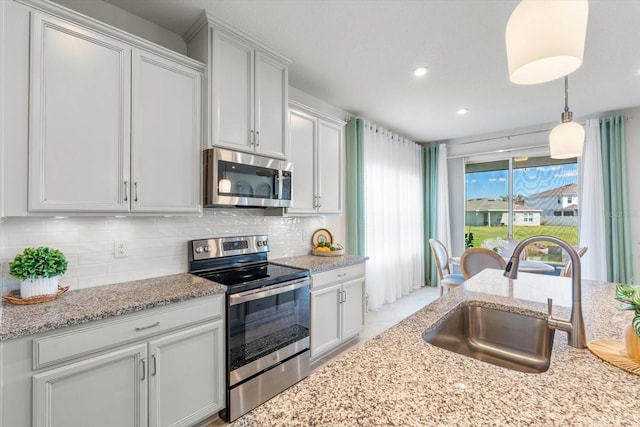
575	326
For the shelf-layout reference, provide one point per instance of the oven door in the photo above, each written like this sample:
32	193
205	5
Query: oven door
266	327
232	178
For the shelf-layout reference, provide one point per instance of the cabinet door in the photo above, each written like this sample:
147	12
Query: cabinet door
186	375
302	131
325	319
353	307
232	109
330	160
80	109
166	129
107	390
271	103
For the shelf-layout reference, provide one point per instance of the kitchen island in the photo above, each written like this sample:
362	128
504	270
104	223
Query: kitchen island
398	379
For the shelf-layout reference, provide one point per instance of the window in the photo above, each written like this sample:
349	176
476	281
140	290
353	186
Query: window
537	193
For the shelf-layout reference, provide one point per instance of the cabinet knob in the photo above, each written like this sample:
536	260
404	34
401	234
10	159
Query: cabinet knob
126	196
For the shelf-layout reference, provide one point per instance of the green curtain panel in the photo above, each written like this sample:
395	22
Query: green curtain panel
354	187
430	175
616	199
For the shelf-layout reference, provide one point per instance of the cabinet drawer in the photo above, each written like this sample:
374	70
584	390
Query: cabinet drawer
337	275
96	336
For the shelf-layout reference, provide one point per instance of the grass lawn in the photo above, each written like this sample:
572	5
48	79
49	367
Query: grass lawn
566	233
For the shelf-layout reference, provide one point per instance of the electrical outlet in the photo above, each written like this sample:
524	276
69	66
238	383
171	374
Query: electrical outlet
120	249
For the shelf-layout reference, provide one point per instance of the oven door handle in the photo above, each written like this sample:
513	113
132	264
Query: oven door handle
255	294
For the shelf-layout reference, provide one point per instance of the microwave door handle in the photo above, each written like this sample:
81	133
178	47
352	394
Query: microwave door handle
277	189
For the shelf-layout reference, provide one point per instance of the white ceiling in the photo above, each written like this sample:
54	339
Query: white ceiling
359	55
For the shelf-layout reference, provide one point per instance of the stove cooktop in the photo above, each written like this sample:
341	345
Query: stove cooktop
253	276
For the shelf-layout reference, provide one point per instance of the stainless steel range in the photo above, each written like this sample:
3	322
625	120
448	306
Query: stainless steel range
267	318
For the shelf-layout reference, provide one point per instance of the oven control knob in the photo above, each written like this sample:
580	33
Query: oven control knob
264	243
199	249
259	243
207	248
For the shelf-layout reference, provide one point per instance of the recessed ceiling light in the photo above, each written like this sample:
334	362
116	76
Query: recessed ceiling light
420	71
462	111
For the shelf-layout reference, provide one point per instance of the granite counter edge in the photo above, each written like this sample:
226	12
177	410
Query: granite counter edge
19	332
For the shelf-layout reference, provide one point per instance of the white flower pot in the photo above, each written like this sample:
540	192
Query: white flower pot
42	286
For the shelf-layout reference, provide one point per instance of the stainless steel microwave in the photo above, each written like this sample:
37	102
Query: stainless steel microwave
232	178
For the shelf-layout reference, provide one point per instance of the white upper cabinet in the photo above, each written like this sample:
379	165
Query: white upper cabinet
109	133
317	153
271	100
79	128
166	135
303	130
232	79
248	89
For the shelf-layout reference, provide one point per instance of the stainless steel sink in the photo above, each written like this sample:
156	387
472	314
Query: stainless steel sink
510	340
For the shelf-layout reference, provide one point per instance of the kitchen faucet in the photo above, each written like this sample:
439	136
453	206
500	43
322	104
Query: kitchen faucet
575	326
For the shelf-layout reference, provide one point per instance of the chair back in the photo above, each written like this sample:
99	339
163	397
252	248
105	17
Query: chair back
567	270
441	256
474	260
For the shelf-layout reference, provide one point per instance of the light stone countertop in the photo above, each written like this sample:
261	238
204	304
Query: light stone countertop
397	379
318	264
84	305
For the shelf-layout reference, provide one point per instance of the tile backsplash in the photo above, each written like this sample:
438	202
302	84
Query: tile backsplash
156	246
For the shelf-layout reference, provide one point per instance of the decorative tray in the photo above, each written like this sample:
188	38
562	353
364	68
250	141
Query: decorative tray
614	352
14	297
337	252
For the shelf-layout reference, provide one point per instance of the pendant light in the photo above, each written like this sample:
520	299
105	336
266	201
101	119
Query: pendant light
545	39
566	140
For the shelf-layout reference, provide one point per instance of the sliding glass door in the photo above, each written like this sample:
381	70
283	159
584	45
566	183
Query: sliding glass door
521	197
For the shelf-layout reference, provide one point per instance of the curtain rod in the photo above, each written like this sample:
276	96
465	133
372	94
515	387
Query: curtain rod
501	151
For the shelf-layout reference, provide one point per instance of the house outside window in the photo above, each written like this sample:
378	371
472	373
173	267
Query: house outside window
540	193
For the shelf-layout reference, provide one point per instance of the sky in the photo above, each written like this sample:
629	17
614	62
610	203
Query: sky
526	181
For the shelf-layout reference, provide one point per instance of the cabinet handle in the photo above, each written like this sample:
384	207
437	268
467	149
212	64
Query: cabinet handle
126	196
319	201
144	368
340	297
342	274
344	296
257	138
251	142
148	327
135	188
155	365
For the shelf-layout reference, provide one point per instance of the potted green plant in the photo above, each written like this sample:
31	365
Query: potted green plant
630	295
39	270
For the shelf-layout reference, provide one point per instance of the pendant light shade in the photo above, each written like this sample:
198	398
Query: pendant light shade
566	140
545	39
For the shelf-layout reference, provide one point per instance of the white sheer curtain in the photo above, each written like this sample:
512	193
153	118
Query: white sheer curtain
393	215
443	228
592	210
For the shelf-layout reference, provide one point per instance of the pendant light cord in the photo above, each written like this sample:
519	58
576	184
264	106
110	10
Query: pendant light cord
567	115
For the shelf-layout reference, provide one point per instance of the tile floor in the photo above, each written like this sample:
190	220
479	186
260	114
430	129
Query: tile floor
376	323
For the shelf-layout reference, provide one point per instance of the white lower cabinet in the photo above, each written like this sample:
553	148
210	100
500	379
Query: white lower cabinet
337	307
184	376
160	367
106	390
